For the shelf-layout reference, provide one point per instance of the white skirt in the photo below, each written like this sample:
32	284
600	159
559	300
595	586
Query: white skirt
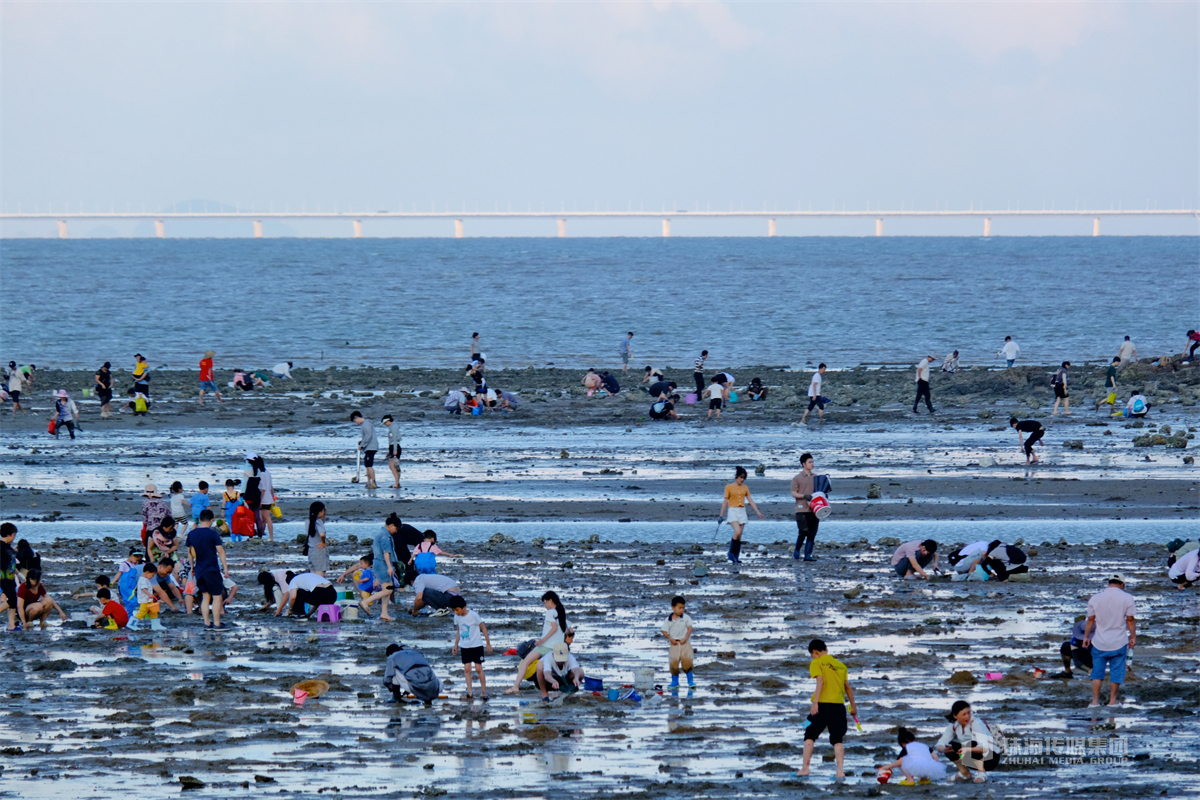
736	514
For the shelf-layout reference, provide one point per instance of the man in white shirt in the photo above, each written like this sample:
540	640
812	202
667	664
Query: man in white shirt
814	395
435	591
1010	351
922	378
1186	570
557	669
1127	353
1111	633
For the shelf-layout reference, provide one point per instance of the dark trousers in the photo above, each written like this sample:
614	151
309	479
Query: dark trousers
1079	656
1033	438
64	423
1192	351
806	531
699	376
923	391
1002	572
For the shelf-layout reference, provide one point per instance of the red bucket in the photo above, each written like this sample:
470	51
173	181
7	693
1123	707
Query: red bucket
819	505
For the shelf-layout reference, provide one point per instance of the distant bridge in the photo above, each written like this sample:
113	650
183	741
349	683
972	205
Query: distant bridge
561	217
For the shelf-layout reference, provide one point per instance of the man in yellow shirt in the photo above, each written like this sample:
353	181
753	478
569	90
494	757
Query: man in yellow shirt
828	705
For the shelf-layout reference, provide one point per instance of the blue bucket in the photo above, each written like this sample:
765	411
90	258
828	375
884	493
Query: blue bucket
593	684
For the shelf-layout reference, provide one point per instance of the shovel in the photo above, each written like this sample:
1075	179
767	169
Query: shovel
357	465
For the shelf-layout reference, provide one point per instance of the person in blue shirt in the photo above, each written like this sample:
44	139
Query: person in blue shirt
208	568
199	502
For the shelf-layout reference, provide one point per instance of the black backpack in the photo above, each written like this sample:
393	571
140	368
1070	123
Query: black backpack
1015	554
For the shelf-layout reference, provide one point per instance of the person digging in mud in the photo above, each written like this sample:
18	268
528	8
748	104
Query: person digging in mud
1035	431
967	560
309	589
737	494
1004	560
828	709
1185	571
968	743
916	762
559	671
554	624
409	672
436	592
911	558
1074	653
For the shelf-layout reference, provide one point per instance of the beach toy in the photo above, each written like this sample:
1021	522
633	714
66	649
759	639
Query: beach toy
329	613
614	694
993	676
310	688
1039	673
593	684
299	695
690	398
512	651
733	397
884	775
819	505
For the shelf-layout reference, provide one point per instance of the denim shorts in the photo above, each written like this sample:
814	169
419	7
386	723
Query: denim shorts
208	386
1113	659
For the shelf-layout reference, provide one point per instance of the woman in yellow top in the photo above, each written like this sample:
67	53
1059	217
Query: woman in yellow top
737	494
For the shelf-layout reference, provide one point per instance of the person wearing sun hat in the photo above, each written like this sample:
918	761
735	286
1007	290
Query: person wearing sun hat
154	510
65	413
557	670
207	382
1111	632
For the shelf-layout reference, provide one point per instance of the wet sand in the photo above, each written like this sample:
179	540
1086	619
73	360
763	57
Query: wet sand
184	705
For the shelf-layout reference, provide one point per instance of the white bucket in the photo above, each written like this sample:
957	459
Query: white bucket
643	679
350	612
820	505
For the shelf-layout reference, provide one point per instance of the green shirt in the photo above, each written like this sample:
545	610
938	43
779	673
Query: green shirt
1110	377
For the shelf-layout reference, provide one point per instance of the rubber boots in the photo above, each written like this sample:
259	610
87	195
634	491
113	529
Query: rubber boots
808	549
735	551
156	624
134	624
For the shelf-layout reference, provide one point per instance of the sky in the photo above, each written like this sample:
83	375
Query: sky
601	105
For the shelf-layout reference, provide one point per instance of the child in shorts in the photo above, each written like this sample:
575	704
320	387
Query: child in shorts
199	502
715	394
678	630
828	708
109	614
471	636
178	510
364	581
147	605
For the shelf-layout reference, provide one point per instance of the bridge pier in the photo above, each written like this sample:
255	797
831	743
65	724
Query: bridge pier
770	227
458	229
1096	226
562	229
159	230
879	226
987	227
258	229
62	229
666	229
357	229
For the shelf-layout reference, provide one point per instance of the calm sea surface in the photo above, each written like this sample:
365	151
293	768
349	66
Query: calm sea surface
415	302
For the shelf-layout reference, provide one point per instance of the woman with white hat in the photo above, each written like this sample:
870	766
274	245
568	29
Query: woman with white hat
65	413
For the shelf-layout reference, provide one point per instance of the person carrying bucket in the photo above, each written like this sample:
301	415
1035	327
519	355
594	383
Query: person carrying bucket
803	487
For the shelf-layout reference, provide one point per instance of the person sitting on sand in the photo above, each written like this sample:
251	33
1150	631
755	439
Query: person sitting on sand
1004	560
436	592
916	762
665	409
409	672
911	558
308	589
559	671
968	743
554	624
1073	652
1185	571
591	382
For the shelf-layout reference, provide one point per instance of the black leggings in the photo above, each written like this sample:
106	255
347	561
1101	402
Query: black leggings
806	528
1080	656
1002	572
699	376
66	423
320	596
1033	437
1192	351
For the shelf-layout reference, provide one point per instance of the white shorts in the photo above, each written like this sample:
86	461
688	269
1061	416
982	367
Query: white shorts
736	514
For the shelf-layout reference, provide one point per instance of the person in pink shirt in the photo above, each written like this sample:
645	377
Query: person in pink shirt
1111	633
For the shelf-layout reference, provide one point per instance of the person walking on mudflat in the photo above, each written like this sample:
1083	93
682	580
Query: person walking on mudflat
922	379
368	443
737	494
1059	382
806	520
1035	431
814	395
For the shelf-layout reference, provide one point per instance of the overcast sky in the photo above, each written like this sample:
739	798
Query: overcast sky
617	105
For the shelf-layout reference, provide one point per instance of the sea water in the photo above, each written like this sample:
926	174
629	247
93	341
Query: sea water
748	301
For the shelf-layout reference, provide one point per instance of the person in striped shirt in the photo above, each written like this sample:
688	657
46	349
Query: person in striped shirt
698	374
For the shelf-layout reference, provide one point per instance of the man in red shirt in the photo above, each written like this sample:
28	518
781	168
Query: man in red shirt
113	615
207	383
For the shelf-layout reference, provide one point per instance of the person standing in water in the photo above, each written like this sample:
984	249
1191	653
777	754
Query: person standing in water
806	520
737	494
368	442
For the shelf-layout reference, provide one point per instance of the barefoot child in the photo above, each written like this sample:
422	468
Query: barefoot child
828	705
678	630
147	605
916	761
472	635
364	581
